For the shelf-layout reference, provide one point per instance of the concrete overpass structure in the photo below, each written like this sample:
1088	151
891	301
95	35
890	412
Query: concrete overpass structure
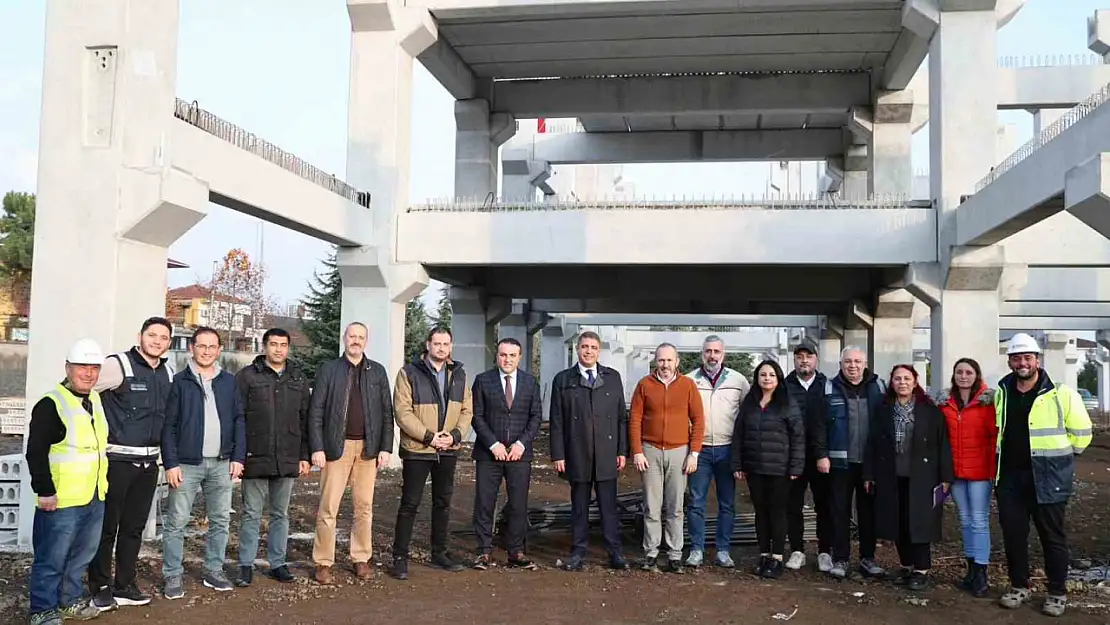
131	169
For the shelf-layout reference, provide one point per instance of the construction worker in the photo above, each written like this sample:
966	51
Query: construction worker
68	464
1042	426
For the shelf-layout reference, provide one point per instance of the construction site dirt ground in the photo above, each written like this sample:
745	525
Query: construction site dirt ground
596	596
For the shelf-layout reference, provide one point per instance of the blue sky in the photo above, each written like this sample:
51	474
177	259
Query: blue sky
279	68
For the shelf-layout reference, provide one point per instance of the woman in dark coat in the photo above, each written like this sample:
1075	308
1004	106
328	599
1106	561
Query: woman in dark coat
768	450
908	466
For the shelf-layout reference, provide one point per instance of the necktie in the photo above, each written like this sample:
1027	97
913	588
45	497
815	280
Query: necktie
509	391
590	377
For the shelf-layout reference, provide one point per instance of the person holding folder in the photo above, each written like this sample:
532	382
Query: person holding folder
908	468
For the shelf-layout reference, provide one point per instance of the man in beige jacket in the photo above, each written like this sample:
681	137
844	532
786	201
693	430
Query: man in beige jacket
722	389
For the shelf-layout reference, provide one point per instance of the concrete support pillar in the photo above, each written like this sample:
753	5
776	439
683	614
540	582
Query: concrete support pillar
1104	385
522	177
521	324
891	166
1043	118
963	111
108	202
964	323
1055	357
856	184
474	319
477	137
554	357
893	331
828	356
921	364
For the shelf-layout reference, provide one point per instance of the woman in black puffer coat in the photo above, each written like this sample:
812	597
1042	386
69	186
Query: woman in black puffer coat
768	450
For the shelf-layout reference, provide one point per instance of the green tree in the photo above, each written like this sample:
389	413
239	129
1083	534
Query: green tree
321	321
17	237
416	328
443	308
1088	377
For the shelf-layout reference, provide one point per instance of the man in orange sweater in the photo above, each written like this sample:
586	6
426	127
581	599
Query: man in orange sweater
665	430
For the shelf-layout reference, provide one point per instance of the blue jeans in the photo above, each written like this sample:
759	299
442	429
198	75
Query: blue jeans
973	500
213	476
714	464
256	491
65	542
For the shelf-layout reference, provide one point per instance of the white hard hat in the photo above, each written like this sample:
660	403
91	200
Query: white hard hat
1022	343
85	352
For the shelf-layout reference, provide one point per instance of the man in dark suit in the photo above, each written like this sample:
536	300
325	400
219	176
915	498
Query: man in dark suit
507	413
589	445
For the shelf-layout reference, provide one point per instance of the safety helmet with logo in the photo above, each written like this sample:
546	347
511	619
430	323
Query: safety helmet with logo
85	352
1022	343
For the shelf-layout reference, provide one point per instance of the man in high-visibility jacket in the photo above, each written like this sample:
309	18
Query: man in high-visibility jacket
68	464
1042	425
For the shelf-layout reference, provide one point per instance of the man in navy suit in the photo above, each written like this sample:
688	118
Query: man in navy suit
507	413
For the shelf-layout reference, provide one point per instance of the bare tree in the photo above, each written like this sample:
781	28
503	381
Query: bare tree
237	296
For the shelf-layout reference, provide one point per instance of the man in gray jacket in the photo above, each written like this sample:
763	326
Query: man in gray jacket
350	434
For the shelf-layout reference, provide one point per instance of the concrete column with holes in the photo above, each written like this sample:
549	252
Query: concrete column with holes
478	135
109	203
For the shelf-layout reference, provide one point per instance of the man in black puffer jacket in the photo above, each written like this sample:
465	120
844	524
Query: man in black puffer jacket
276	399
768	450
807	389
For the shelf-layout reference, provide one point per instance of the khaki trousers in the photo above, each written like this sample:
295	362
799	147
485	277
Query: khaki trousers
360	474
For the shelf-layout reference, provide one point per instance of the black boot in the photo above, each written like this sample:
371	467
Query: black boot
980	584
965	583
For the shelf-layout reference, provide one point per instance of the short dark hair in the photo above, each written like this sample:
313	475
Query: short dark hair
588	334
157	321
280	333
206	330
510	341
440	330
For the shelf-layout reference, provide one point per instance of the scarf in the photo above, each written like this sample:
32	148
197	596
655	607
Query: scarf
903	416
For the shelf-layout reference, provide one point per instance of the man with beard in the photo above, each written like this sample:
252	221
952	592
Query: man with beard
666	427
1042	425
134	387
721	389
851	398
807	386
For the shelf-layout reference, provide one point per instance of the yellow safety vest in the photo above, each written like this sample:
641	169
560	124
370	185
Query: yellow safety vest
79	463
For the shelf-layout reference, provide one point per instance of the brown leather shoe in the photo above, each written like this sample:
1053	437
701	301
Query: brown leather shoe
363	570
323	575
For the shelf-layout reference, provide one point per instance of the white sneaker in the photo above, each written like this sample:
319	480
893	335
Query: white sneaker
695	559
797	560
824	562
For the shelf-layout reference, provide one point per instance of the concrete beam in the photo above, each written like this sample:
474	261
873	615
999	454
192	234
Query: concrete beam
920	19
1057	324
739	321
675	306
1023	88
884	237
1087	193
1055	309
642	95
602	8
1061	284
677	146
252	185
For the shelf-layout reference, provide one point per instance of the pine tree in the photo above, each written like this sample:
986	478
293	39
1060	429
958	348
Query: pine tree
443	309
321	322
416	328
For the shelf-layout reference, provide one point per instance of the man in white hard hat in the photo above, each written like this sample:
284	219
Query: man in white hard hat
68	464
1042	425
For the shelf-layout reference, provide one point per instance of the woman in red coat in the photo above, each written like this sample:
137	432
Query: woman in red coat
968	408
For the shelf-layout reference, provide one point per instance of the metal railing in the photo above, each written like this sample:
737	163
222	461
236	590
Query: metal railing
192	114
1049	60
675	203
1083	109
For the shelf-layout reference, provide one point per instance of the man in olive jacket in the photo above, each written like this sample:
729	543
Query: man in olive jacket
276	398
350	432
433	405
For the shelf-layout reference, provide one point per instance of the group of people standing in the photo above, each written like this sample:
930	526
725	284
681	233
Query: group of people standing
96	439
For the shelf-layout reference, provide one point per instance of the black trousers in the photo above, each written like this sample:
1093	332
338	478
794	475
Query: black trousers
910	554
844	484
126	508
1017	504
414	473
580	516
487	482
769	497
818	484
